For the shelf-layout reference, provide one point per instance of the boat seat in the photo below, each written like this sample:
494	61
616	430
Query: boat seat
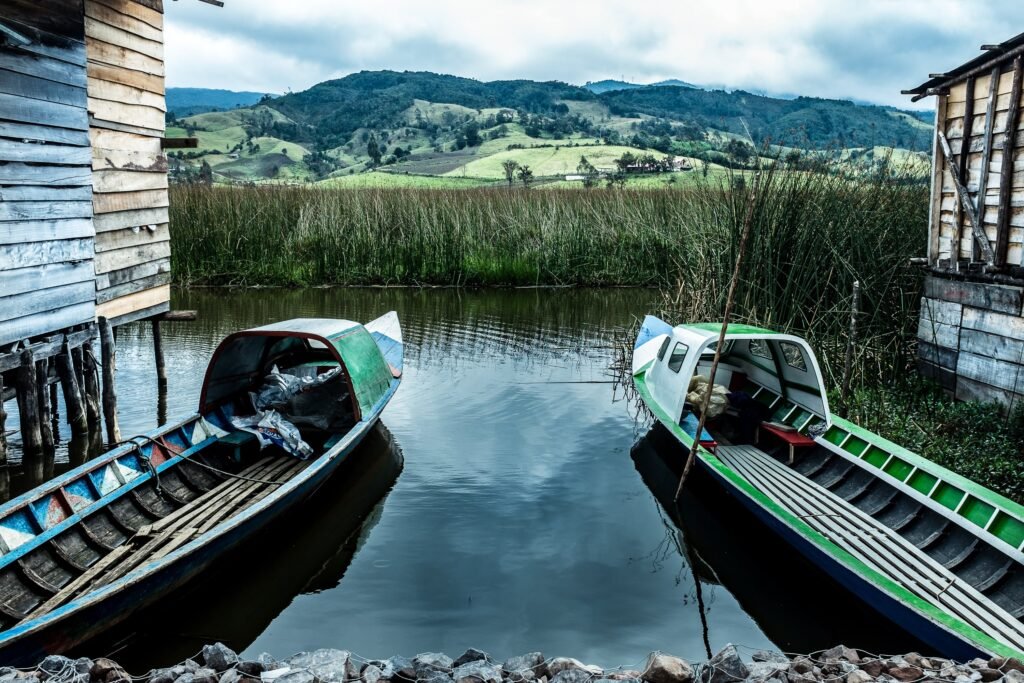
238	441
873	543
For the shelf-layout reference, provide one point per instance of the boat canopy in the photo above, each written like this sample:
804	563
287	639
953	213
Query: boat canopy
782	363
243	359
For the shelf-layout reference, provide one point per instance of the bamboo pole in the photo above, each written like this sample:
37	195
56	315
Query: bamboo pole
108	351
851	340
73	405
748	221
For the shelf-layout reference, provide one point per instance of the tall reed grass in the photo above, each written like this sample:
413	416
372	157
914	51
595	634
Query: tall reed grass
813	236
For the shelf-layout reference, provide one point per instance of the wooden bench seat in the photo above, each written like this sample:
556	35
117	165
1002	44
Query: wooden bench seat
873	543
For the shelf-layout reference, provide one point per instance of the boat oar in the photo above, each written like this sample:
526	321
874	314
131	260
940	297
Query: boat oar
748	220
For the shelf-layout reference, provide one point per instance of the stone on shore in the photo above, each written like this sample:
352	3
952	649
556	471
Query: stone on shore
480	671
428	662
200	675
725	667
400	668
326	664
662	668
573	676
560	664
472	655
770	656
905	673
248	667
1014	676
841	652
526	667
107	671
230	676
219	657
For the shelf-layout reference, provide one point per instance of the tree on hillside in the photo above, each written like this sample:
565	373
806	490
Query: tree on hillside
588	171
510	166
373	150
205	173
625	161
472	133
525	176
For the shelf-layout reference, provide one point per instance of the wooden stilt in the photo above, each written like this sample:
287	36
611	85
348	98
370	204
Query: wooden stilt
54	411
92	398
5	482
45	428
73	405
108	350
158	354
76	361
28	411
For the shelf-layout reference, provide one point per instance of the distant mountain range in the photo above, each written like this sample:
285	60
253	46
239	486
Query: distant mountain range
188	101
607	85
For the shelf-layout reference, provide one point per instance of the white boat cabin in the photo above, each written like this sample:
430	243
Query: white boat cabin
762	378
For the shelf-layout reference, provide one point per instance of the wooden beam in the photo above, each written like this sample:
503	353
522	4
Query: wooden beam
108	351
986	153
1006	169
965	154
965	200
179	143
178	316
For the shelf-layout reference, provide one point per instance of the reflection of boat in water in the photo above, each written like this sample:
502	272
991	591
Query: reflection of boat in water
308	551
282	406
937	554
799	607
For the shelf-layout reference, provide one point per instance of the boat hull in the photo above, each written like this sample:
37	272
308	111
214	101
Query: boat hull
77	622
940	639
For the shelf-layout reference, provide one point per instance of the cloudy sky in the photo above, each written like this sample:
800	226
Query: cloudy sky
860	49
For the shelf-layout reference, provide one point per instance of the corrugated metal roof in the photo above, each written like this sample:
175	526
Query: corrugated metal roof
993	55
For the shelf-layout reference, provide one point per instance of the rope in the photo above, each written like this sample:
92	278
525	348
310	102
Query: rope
235	476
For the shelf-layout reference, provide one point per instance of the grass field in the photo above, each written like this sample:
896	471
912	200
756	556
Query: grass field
381	179
544	161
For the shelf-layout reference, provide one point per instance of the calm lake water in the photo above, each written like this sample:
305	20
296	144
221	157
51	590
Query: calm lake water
513	500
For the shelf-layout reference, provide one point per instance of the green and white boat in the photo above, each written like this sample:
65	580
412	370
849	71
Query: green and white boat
938	554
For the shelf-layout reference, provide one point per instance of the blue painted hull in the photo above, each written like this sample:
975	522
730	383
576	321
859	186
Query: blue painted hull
60	630
944	641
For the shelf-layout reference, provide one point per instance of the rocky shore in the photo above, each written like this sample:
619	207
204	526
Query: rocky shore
840	664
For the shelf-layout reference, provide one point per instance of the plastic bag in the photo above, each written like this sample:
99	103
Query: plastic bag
272	429
698	388
278	387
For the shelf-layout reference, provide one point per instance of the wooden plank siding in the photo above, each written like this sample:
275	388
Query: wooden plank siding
125	83
47	239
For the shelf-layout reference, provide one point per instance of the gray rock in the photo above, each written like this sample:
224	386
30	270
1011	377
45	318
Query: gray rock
162	676
1014	676
230	676
435	677
859	676
526	667
573	676
662	668
219	657
725	667
431	661
472	655
251	668
296	676
963	678
267	661
765	671
475	672
200	675
399	668
372	673
56	666
906	674
841	652
191	665
801	666
770	656
623	675
560	664
108	671
327	664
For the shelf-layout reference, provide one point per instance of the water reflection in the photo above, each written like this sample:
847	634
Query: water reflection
798	606
306	552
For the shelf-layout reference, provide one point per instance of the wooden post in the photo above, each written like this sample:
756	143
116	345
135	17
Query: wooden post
1006	169
108	352
73	404
986	157
28	411
54	412
748	221
965	169
158	354
76	361
5	479
92	396
43	397
851	340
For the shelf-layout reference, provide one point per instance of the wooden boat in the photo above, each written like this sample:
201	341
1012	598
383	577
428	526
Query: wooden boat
937	554
87	549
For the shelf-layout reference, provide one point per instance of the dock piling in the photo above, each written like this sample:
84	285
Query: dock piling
92	397
158	354
28	412
43	401
69	382
5	485
108	351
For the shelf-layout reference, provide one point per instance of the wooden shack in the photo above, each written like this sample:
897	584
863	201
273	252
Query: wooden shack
84	242
971	329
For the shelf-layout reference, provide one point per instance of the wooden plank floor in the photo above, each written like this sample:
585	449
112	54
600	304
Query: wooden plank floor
153	541
872	542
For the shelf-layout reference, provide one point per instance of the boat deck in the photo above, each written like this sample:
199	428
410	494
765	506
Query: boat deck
146	525
872	542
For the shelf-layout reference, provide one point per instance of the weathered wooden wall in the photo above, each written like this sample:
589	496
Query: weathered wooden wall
46	231
124	43
974	117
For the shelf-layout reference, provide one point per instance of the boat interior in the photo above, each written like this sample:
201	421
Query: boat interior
931	536
156	494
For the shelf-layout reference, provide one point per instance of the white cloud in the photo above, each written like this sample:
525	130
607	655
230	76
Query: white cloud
864	49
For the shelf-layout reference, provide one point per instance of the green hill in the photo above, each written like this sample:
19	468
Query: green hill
421	124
